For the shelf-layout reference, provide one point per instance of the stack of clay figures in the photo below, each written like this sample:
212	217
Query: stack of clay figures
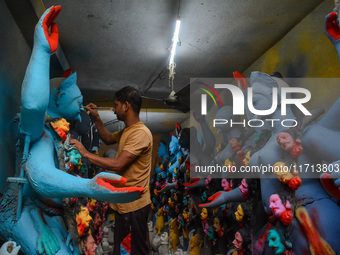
284	212
292	211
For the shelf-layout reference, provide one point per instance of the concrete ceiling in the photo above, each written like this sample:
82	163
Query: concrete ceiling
116	43
111	44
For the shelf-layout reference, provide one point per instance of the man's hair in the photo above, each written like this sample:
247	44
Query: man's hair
132	96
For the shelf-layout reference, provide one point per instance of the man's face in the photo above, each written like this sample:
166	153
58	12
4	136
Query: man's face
119	109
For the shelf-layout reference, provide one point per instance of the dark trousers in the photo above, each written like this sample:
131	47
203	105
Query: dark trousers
131	232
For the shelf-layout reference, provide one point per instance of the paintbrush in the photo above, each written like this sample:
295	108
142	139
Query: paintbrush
102	108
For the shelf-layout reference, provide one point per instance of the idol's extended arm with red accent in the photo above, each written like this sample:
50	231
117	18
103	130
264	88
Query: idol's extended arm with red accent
48	181
167	186
195	183
35	92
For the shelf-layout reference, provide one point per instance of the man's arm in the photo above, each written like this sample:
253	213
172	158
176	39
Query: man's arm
104	134
116	165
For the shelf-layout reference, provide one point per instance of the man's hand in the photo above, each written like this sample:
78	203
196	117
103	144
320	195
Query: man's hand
79	146
104	134
42	36
92	108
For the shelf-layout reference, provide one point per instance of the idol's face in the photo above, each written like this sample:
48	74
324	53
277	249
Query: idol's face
285	140
83	217
161	150
90	246
74	156
235	145
70	103
174	146
274	242
238	241
239	214
204	214
275	203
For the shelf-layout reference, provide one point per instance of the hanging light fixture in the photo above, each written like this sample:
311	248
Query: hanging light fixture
175	41
172	63
172	99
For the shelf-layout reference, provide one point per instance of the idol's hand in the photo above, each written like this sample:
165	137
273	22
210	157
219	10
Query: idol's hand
167	186
332	29
44	38
195	183
100	188
216	200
